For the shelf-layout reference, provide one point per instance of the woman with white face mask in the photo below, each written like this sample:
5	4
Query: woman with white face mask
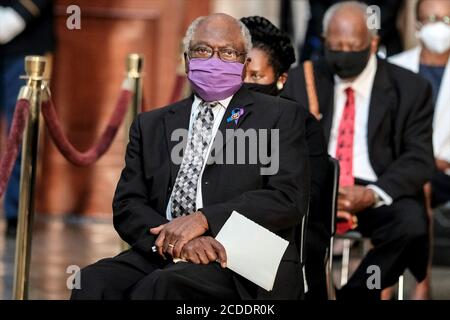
431	59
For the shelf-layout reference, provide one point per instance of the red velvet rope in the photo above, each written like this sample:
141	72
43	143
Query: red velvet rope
97	150
14	142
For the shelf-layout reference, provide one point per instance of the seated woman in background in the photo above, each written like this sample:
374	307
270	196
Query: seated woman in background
271	57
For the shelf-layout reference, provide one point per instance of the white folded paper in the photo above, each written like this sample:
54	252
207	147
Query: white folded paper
252	251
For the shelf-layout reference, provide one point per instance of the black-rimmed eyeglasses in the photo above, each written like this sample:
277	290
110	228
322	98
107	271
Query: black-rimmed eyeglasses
225	54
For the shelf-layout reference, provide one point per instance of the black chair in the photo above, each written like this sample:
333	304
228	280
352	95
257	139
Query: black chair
354	236
331	193
327	206
303	228
348	238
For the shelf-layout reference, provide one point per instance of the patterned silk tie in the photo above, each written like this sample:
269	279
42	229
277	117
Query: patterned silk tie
184	192
344	149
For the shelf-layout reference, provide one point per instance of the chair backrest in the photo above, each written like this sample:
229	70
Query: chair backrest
303	231
330	194
328	203
327	206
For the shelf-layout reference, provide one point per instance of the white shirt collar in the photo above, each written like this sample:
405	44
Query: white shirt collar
364	82
223	103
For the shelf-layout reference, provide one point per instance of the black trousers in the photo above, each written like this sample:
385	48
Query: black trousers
440	185
399	234
130	275
317	243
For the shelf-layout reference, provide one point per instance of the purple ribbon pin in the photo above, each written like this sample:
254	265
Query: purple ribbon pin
236	113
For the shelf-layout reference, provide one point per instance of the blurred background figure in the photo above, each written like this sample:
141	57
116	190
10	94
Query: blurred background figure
431	59
26	28
390	40
271	56
377	121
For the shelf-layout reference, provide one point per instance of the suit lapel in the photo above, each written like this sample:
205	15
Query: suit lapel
242	100
177	118
382	99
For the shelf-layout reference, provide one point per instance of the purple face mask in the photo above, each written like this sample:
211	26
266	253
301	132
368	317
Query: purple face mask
214	79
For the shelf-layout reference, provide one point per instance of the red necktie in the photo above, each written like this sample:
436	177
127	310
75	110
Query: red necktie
344	148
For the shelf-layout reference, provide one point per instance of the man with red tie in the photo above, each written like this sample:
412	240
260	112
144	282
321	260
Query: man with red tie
377	121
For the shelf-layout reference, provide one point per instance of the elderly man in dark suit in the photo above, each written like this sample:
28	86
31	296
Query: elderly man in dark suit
178	207
377	121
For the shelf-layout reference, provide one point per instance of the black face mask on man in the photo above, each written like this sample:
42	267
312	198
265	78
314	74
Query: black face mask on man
347	64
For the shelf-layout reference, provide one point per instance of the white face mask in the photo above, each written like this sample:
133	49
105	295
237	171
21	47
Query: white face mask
435	36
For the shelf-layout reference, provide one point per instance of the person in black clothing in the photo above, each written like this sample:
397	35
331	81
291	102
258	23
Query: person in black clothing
179	207
26	28
377	120
271	57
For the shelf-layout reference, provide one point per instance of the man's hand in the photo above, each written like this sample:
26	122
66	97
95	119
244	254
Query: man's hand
174	235
442	165
346	222
345	216
204	250
355	199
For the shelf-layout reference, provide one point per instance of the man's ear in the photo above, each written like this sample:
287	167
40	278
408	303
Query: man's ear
186	63
374	44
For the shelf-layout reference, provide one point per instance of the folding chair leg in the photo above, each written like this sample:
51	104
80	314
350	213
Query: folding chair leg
329	272
400	287
345	261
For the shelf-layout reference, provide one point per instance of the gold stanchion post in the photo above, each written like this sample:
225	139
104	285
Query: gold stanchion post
134	65
34	68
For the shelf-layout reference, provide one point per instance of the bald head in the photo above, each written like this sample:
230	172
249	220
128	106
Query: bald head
345	27
429	8
218	30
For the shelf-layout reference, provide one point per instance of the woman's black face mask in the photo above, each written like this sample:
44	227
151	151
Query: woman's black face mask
270	88
347	64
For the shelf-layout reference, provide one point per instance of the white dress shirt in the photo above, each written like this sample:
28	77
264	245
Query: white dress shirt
362	87
218	112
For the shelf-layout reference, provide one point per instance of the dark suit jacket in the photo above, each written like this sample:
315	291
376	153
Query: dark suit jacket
399	124
276	202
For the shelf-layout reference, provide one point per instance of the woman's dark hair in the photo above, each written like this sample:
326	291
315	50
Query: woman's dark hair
273	41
